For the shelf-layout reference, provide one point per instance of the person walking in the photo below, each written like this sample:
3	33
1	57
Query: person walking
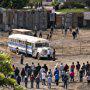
50	73
22	58
81	75
35	34
49	81
70	29
16	71
87	67
48	36
26	81
52	28
18	78
33	68
54	54
43	78
23	74
40	34
46	68
61	67
78	67
56	71
62	75
56	74
32	80
57	79
72	67
74	34
26	66
77	30
37	81
72	76
38	67
66	67
65	80
29	71
83	68
66	31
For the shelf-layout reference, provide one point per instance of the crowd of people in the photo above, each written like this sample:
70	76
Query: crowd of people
43	75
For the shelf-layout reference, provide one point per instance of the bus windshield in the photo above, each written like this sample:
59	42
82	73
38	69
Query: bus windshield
41	45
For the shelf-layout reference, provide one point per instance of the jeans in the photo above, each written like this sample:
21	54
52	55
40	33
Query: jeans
37	85
65	84
32	84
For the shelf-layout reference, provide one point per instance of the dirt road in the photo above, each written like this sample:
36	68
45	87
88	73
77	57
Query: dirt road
67	51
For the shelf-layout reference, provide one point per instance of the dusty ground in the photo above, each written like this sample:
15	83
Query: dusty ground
67	51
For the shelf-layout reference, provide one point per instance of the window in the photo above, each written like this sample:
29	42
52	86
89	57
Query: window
28	43
41	45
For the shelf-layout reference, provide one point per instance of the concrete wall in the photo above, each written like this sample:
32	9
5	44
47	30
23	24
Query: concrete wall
23	19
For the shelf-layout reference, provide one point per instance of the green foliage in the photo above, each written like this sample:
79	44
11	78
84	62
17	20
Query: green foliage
55	3
9	82
75	10
17	4
18	87
2	76
5	64
5	57
6	69
72	5
35	3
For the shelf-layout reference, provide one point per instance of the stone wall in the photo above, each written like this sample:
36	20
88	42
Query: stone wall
23	19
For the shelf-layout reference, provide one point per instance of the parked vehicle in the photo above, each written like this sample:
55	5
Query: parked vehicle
35	46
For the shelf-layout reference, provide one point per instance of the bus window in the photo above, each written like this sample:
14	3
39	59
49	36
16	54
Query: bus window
45	44
41	45
29	44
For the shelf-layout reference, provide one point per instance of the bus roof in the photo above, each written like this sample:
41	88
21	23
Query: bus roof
22	30
27	38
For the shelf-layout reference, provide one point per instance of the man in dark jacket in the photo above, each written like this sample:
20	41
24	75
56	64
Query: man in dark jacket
18	78
45	67
16	72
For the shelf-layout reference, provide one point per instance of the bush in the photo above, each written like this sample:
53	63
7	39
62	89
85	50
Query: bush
72	5
9	82
5	57
6	68
54	3
5	64
18	87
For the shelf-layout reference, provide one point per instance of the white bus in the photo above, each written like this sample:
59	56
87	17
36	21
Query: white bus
37	47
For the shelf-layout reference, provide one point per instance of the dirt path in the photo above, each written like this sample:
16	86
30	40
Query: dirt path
69	46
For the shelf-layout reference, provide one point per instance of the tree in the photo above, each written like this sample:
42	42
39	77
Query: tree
17	4
5	70
35	3
5	64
